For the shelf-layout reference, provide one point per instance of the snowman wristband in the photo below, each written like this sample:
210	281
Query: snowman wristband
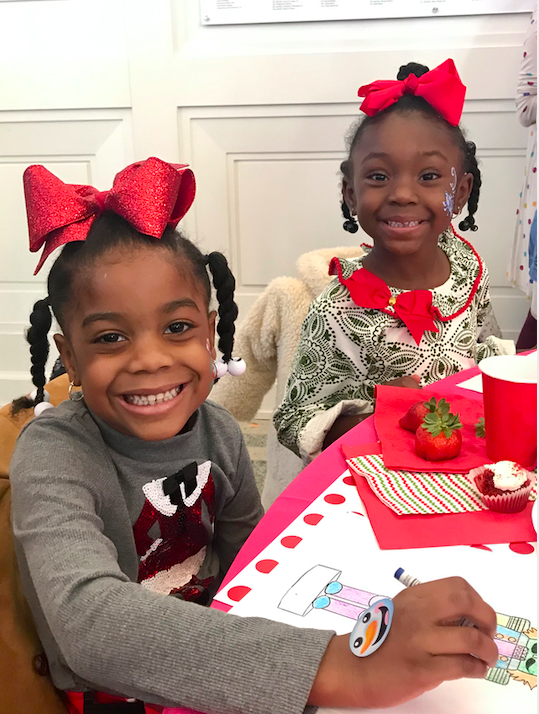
372	628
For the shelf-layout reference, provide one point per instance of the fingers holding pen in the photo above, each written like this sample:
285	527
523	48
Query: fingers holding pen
456	600
461	643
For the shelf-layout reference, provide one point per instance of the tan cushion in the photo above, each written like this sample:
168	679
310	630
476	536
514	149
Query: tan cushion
22	689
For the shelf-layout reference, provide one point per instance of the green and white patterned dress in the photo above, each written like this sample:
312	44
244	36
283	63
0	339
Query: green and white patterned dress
345	350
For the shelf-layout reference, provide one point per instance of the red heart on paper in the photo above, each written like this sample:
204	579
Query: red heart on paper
522	548
238	592
334	498
291	541
312	519
266	566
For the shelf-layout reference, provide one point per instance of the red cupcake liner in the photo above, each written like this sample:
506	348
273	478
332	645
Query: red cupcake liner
508	502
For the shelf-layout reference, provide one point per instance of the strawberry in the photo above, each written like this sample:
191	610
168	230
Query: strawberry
417	412
438	438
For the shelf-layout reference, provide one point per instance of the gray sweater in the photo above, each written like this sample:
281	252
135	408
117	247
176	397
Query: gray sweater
77	496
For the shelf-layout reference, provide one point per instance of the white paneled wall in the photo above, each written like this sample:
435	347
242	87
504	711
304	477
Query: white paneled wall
79	147
260	113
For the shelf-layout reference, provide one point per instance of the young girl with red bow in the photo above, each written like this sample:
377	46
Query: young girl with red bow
416	307
131	500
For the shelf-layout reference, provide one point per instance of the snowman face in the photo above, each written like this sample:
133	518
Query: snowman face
371	628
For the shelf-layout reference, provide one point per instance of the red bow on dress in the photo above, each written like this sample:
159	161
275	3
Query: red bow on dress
413	307
441	88
149	194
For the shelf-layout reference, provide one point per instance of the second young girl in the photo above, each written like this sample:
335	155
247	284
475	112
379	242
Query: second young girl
412	309
131	500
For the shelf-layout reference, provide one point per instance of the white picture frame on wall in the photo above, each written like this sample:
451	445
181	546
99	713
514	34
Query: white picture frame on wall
237	12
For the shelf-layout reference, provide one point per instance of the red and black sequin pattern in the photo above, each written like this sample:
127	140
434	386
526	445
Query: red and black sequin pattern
181	505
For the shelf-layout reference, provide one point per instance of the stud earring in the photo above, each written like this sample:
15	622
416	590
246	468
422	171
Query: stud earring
75	396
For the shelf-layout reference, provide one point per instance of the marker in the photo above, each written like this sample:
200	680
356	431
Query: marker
406	579
409	581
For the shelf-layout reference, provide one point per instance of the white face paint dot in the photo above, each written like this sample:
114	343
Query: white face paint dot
453	183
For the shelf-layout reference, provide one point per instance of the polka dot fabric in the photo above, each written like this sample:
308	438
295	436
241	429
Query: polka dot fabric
518	270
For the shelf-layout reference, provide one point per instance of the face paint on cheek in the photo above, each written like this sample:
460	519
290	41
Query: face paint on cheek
453	183
450	197
212	364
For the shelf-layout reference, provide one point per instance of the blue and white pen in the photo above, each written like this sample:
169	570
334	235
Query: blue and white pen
405	579
409	581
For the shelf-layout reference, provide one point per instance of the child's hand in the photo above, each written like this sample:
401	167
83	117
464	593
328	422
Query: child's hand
422	649
411	382
341	425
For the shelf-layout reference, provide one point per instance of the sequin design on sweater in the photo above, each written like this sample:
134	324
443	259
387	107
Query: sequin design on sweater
184	509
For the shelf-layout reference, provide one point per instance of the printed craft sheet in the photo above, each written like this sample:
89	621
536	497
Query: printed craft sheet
332	544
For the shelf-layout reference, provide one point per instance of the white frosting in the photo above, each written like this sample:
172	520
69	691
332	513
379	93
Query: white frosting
508	476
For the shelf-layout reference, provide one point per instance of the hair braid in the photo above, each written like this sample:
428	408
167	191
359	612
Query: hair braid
224	284
472	167
37	337
350	223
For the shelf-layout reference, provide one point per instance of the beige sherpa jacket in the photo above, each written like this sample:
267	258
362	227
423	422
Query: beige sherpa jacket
267	340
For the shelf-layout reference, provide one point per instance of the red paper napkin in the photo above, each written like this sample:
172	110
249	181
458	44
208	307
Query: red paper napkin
398	444
480	528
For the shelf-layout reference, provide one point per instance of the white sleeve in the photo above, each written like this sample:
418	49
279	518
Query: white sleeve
526	98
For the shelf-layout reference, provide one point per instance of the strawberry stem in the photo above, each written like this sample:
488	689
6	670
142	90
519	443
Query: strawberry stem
441	419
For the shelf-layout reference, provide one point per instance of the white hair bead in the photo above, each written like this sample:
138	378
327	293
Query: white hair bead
46	395
220	368
42	407
236	367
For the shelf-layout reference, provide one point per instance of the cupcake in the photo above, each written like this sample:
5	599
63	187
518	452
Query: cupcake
504	486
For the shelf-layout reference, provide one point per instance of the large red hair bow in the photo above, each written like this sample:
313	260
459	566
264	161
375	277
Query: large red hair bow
413	307
149	194
441	88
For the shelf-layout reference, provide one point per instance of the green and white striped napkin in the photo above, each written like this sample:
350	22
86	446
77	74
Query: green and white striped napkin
411	492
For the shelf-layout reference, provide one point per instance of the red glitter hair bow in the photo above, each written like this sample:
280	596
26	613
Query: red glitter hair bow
441	88
149	194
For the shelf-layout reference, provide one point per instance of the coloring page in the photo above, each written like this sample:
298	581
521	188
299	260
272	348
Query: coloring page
326	568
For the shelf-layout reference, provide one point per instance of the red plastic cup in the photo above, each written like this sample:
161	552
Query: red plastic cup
510	399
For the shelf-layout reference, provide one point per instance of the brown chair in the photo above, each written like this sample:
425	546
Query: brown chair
25	687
